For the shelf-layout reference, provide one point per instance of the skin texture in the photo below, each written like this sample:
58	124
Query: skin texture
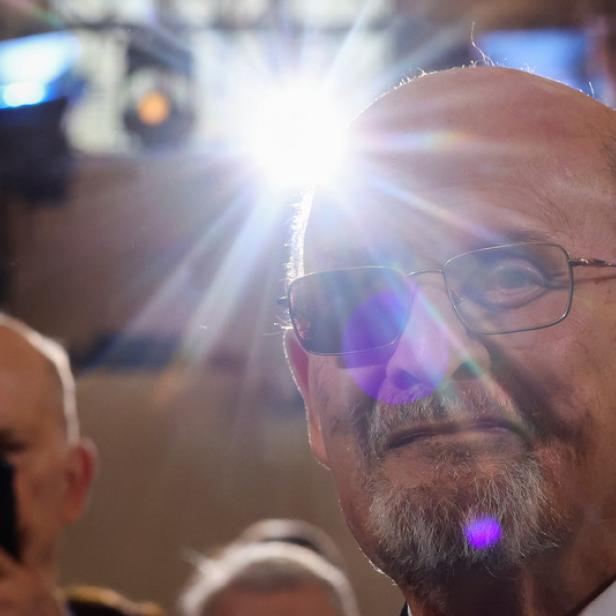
448	163
52	476
304	600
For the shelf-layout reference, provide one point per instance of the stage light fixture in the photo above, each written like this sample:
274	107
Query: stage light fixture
38	82
154	107
159	108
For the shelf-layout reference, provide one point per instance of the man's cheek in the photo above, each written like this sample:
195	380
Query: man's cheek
350	476
541	387
573	396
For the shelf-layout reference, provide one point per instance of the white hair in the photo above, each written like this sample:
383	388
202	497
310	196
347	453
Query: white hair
265	567
58	359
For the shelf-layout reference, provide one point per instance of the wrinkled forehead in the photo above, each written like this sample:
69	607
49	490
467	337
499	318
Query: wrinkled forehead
430	207
427	179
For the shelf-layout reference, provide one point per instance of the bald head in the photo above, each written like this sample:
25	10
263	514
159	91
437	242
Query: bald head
44	363
458	119
445	97
465	131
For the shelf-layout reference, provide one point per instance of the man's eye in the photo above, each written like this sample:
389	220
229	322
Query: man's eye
515	277
507	285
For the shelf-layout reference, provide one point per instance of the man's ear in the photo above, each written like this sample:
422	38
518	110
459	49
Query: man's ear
81	466
299	363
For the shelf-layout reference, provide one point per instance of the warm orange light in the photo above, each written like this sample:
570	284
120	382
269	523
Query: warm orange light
153	108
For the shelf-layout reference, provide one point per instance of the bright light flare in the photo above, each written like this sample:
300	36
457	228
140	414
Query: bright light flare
22	93
39	58
297	137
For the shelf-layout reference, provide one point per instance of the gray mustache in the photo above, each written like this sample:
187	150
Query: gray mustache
385	420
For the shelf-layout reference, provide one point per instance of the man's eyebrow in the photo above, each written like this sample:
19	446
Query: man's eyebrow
512	236
343	257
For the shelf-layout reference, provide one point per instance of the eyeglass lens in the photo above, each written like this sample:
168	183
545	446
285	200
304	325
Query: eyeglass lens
347	311
494	290
510	288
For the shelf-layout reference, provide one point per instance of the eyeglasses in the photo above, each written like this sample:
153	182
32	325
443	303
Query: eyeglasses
496	290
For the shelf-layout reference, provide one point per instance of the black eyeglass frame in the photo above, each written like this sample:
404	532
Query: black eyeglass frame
571	262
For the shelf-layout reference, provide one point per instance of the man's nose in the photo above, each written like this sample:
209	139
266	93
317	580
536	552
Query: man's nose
435	346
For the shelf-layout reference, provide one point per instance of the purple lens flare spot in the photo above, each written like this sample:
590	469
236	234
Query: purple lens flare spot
422	357
483	533
381	317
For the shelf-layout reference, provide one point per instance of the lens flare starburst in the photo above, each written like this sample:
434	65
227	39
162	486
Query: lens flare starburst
296	135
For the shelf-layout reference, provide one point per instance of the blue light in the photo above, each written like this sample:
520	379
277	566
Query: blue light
40	58
23	93
556	53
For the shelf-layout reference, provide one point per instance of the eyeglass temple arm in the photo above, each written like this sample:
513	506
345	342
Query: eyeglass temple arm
582	261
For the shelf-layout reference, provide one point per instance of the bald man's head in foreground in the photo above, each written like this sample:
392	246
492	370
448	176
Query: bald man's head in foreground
453	301
39	437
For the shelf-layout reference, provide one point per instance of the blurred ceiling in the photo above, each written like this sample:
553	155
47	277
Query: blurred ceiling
17	18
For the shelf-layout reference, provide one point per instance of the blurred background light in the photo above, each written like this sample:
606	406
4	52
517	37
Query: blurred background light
39	58
556	53
39	82
154	107
159	109
23	93
38	68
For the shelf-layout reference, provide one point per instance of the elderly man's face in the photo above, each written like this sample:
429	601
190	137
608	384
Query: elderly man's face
452	449
51	475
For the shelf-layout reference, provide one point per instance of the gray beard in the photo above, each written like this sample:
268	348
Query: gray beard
423	540
420	533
